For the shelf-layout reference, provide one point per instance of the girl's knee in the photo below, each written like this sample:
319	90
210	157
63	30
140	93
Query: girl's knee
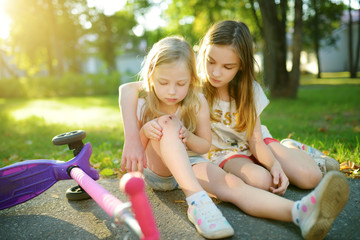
232	181
260	179
225	189
314	179
263	181
308	178
169	122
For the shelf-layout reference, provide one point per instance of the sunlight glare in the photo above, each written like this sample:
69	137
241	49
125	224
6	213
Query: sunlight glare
54	112
109	7
4	21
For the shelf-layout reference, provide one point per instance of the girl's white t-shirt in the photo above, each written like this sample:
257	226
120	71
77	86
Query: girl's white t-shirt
226	141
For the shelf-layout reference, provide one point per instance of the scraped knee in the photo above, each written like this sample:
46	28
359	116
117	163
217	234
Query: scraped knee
169	122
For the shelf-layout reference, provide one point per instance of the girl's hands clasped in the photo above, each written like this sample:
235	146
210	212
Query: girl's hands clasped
280	180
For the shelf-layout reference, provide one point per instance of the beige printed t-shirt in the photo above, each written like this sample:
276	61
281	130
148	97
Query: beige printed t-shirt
227	142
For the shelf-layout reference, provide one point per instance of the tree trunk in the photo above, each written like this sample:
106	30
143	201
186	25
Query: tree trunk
296	49
109	46
274	35
50	56
318	61
55	40
357	54
316	36
4	66
350	49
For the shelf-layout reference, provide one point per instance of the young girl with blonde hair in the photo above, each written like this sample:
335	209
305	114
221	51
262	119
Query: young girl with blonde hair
170	98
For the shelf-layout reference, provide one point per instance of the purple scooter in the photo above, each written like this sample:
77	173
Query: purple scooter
23	181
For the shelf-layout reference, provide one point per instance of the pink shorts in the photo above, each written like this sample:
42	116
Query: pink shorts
267	141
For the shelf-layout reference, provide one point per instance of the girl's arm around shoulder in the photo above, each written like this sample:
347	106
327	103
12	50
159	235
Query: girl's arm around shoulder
200	141
128	90
133	156
128	100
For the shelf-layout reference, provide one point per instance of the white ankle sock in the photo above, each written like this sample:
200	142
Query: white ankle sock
302	208
295	212
195	198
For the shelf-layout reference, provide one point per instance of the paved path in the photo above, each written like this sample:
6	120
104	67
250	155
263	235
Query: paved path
51	216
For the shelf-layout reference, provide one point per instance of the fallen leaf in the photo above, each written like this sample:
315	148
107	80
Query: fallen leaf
96	165
290	135
55	196
107	172
350	169
326	152
356	129
348	165
14	157
322	129
329	117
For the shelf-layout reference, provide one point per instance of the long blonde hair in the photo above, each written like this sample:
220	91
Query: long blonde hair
236	35
169	50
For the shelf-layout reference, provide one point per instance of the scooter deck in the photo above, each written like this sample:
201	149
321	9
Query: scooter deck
23	181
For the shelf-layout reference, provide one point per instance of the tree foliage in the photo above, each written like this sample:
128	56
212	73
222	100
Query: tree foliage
276	23
54	36
353	59
267	20
113	35
45	33
321	19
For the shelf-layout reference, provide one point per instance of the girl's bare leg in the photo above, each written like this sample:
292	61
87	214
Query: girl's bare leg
298	166
169	157
230	188
314	213
251	173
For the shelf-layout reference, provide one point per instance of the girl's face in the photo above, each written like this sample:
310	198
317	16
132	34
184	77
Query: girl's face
222	64
171	83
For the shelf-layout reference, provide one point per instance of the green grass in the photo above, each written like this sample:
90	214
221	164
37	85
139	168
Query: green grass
326	117
28	126
338	78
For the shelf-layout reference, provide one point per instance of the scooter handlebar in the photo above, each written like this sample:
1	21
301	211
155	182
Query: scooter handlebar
133	185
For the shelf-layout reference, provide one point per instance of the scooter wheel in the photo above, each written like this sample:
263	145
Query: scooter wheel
69	137
77	193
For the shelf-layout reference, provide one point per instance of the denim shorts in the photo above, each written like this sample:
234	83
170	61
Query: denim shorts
160	183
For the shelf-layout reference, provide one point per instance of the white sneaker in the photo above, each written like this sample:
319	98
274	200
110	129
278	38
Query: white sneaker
327	164
324	162
319	208
208	220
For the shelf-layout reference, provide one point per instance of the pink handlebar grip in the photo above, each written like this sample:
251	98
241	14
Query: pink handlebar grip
133	185
110	204
101	196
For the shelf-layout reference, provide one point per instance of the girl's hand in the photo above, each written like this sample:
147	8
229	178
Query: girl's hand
280	180
133	156
183	133
152	130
